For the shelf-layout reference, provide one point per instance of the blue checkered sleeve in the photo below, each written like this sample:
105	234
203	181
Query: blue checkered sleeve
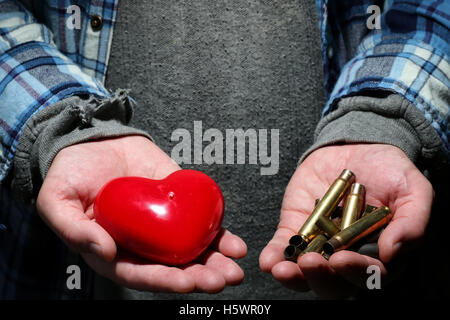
33	75
406	52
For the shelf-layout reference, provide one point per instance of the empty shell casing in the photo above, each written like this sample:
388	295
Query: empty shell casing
337	212
353	205
358	230
315	245
326	205
297	241
368	209
327	226
291	252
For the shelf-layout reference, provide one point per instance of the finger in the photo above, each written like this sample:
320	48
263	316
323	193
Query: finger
289	274
145	277
273	253
322	279
354	267
67	219
230	245
411	216
229	269
206	279
297	201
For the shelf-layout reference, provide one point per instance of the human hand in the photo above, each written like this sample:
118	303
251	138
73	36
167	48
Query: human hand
390	179
65	203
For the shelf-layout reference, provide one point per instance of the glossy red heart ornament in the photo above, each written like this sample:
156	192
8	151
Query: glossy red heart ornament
171	221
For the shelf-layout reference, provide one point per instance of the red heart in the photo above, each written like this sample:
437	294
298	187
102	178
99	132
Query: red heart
171	221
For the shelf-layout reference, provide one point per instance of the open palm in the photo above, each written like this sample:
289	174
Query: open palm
65	203
390	179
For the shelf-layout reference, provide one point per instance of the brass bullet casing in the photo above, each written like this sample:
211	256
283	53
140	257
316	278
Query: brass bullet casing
291	252
358	230
326	205
368	209
315	245
327	226
353	205
336	212
295	240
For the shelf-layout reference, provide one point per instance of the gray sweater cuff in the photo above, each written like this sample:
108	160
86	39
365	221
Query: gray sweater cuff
67	122
390	120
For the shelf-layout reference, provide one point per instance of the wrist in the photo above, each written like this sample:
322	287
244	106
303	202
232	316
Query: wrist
388	120
69	122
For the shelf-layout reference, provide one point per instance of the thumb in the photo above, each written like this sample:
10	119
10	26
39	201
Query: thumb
411	216
68	220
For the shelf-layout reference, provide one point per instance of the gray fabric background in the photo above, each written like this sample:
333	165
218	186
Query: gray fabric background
231	64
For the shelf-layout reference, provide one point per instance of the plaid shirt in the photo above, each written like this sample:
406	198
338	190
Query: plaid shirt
43	63
408	55
37	70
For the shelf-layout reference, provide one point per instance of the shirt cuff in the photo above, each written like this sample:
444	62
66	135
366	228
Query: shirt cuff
33	76
390	120
401	65
68	122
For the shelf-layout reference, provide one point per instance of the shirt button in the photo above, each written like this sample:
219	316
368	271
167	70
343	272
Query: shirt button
96	22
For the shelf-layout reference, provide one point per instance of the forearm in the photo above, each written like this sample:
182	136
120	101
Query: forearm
67	122
33	76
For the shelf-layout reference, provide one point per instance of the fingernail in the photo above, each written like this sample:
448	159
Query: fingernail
396	248
370	249
95	249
